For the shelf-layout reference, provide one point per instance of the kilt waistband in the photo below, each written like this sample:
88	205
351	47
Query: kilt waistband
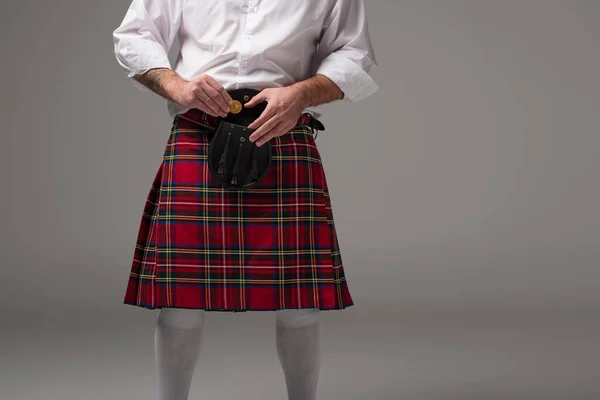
202	118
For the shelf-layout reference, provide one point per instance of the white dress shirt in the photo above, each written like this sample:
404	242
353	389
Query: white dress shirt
251	43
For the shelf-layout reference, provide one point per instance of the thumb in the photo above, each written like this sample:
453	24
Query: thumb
259	98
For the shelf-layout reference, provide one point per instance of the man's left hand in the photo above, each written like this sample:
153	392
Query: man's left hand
284	107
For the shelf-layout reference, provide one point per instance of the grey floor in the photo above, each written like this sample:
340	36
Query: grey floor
395	354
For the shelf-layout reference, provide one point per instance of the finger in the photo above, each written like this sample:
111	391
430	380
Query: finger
206	108
277	130
259	98
205	98
214	94
266	115
222	92
264	128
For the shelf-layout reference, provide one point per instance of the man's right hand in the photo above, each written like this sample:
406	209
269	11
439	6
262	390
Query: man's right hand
204	93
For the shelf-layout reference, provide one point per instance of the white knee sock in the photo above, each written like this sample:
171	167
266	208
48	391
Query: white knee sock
298	341
178	337
177	340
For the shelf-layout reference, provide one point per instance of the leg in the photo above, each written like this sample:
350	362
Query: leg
177	341
298	339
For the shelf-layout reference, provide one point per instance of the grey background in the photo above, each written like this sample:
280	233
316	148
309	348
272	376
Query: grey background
465	194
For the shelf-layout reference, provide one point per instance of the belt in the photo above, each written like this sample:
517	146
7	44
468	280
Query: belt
247	115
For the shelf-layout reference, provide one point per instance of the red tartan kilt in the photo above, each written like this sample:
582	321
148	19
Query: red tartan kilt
270	247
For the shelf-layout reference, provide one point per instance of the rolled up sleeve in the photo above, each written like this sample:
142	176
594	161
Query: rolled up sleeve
345	52
144	37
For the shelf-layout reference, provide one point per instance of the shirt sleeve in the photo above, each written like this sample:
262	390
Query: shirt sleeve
345	53
146	34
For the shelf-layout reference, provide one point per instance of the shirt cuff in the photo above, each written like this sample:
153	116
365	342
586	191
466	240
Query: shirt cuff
144	57
352	79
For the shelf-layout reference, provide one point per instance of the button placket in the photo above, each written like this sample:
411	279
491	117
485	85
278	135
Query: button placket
249	9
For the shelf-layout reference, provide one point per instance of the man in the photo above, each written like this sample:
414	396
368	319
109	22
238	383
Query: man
205	247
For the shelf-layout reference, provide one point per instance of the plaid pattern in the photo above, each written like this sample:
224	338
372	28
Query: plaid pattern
270	247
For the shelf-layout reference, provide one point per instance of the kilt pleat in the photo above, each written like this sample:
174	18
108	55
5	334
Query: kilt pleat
270	247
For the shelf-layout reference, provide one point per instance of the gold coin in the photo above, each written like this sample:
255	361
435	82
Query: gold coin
235	107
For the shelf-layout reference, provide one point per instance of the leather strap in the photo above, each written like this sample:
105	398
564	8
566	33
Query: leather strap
247	115
202	118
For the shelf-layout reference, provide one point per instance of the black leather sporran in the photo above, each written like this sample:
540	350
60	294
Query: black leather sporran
234	161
